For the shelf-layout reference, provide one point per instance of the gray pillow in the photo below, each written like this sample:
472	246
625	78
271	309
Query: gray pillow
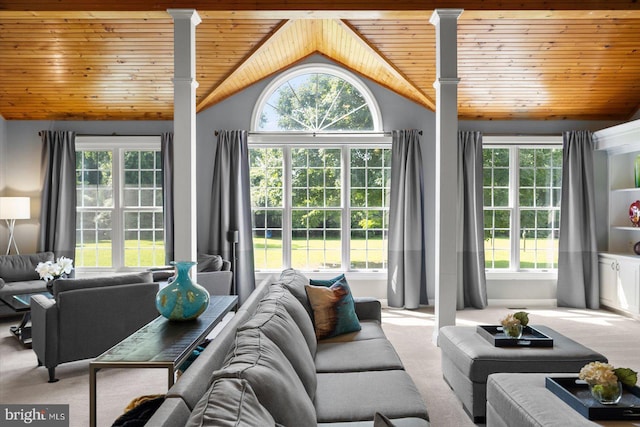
229	402
258	360
208	262
275	322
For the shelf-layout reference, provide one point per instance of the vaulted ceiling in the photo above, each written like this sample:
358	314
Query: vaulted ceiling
96	60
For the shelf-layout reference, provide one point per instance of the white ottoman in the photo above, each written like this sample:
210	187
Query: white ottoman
468	359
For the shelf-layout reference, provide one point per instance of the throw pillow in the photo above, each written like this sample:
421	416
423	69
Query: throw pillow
328	282
139	411
333	309
380	420
208	262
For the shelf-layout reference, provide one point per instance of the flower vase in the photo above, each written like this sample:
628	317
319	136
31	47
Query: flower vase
182	299
607	394
513	331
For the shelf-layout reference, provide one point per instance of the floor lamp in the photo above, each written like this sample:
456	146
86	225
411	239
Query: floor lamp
12	208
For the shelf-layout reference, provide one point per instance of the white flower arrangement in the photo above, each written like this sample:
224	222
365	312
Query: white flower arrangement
49	270
599	373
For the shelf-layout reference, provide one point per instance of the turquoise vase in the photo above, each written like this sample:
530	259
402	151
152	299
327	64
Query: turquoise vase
182	299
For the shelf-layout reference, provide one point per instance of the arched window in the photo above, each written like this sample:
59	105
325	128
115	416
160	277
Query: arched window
316	99
320	174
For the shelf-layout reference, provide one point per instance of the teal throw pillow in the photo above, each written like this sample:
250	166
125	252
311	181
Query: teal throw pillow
328	282
333	309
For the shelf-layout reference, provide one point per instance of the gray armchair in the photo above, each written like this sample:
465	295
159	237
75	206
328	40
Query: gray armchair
18	275
86	317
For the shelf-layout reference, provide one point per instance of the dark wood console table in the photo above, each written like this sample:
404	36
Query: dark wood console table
159	344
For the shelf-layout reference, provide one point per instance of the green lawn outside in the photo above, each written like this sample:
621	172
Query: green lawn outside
150	256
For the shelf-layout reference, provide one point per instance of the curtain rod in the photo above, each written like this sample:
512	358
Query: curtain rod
115	134
321	133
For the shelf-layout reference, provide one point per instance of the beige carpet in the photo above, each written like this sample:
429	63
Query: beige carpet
21	381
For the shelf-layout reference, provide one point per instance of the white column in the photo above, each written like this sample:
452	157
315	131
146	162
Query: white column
184	132
446	84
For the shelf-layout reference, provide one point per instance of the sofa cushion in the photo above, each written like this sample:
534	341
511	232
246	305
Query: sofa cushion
357	396
230	402
276	385
333	309
17	268
370	330
297	312
63	284
275	322
295	282
372	355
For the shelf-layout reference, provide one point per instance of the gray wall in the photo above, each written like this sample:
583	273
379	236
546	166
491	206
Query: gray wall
19	142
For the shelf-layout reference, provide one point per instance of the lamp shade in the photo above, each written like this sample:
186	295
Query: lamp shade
15	208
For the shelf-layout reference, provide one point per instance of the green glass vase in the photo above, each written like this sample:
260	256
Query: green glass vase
637	171
182	299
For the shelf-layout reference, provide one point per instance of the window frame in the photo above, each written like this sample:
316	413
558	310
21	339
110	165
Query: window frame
118	145
345	143
322	69
514	143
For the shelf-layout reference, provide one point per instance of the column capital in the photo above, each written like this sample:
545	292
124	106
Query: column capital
442	81
439	14
190	14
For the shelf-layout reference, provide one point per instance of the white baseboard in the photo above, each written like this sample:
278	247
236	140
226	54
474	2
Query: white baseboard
523	303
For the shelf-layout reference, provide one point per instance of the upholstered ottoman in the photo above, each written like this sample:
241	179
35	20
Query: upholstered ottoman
468	359
523	400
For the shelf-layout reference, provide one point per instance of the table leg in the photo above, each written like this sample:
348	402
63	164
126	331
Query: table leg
92	395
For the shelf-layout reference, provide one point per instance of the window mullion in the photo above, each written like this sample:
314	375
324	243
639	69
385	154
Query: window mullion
346	207
117	216
287	233
514	178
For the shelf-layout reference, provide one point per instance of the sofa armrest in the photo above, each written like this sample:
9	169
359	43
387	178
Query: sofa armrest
368	308
44	329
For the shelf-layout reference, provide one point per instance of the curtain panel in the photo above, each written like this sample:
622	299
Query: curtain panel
407	278
166	152
231	209
578	281
472	283
58	210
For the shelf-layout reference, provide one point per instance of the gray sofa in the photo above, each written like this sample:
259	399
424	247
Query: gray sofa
88	316
18	276
266	367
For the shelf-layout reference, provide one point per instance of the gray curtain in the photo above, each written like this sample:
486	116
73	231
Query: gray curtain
231	209
578	282
58	210
166	150
407	277
472	283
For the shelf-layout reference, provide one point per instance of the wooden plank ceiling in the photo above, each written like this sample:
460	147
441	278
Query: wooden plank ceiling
63	64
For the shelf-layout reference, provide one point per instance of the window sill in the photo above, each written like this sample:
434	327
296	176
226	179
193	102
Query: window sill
522	275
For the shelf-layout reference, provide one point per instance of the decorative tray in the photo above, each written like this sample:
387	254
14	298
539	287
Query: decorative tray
531	337
576	394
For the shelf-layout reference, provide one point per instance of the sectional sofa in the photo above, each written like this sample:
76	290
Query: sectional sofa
267	367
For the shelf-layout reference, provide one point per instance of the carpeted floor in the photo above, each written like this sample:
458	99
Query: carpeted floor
21	381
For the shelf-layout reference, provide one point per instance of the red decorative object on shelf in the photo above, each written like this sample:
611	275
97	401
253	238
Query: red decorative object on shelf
634	213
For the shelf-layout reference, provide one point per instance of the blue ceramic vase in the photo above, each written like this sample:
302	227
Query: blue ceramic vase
182	299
